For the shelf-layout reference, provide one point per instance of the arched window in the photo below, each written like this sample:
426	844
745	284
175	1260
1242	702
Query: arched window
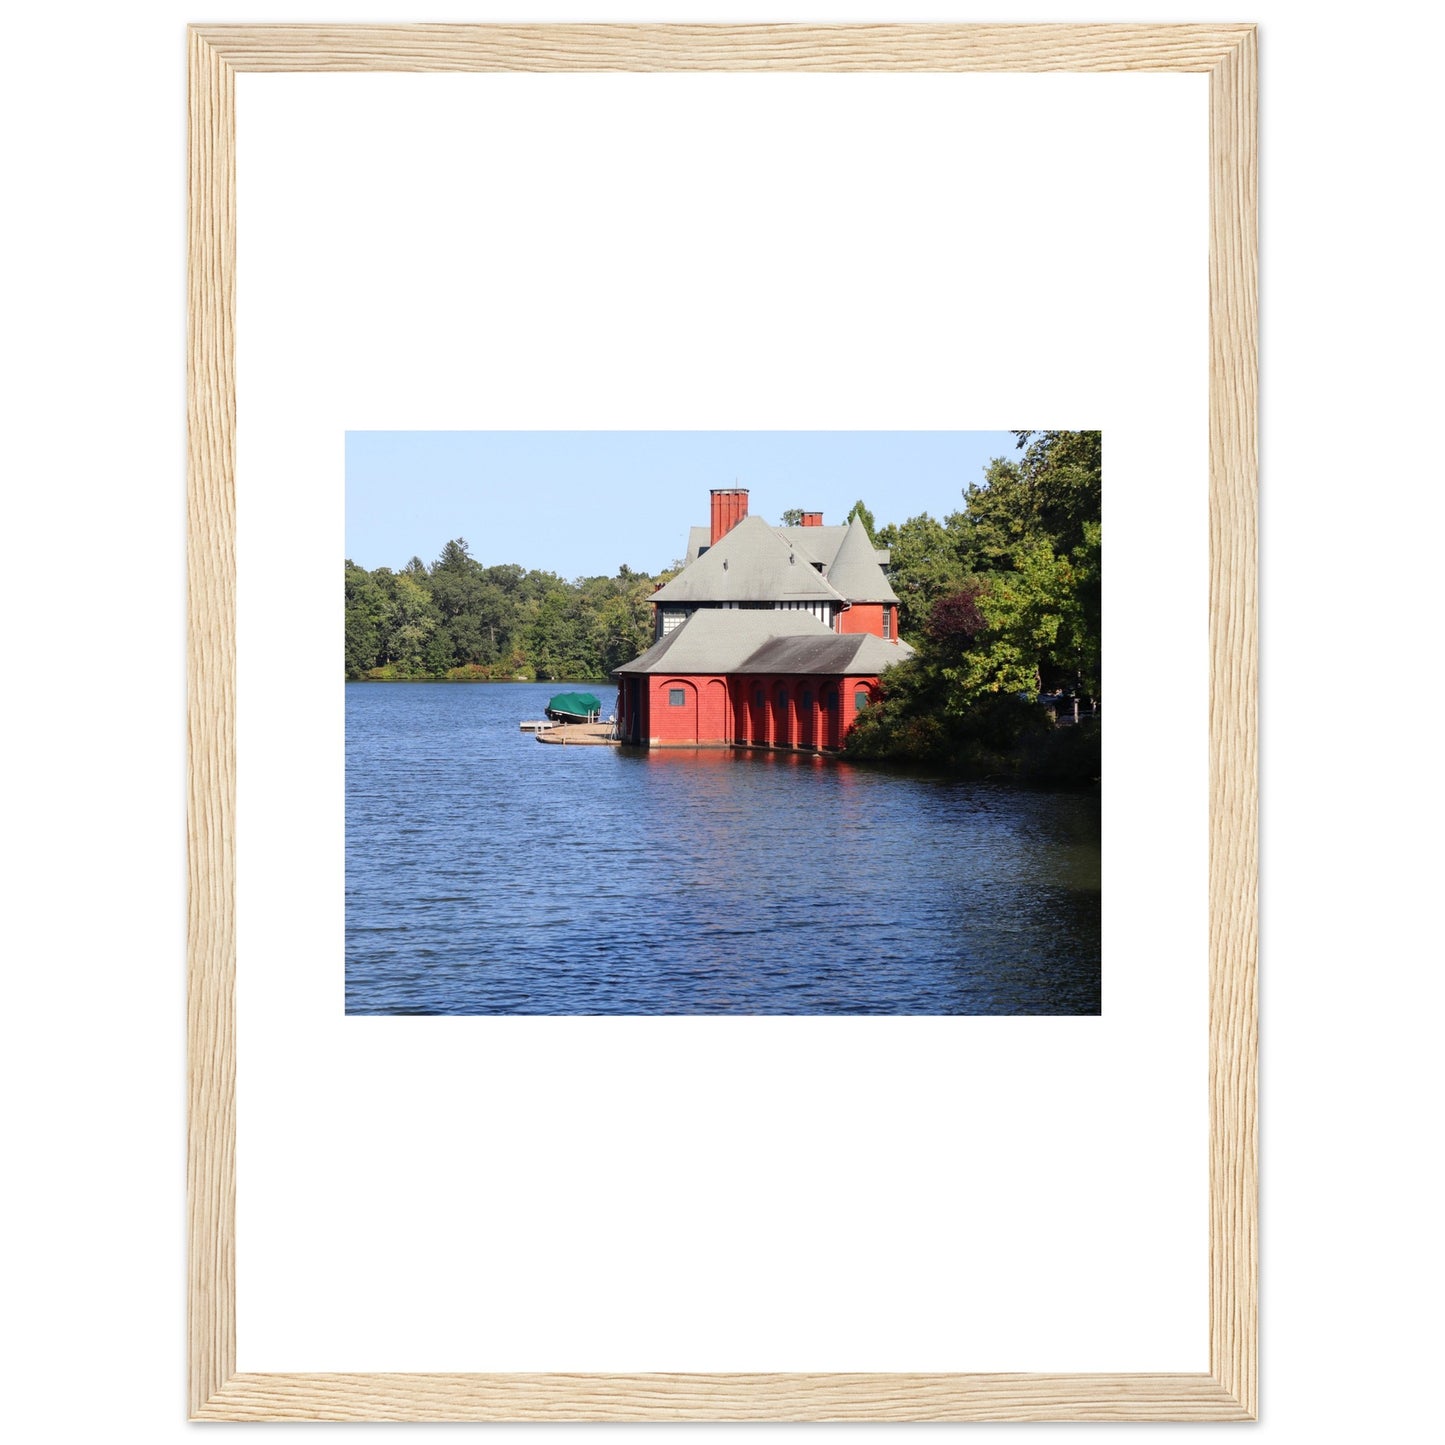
860	699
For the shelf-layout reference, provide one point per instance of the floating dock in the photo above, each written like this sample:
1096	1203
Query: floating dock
589	735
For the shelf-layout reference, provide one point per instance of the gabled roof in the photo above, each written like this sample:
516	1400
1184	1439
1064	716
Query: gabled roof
752	563
728	640
855	571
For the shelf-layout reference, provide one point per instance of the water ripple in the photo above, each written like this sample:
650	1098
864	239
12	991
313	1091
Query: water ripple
487	874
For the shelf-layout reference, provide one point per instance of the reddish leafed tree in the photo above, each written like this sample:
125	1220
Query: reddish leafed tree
957	616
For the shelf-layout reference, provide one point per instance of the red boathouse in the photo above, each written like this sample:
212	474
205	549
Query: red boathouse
768	637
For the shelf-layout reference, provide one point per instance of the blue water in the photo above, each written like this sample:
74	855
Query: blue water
487	873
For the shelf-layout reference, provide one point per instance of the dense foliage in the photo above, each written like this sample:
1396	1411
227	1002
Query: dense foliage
460	620
1002	601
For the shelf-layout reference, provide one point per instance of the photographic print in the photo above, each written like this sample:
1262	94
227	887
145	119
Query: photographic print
723	723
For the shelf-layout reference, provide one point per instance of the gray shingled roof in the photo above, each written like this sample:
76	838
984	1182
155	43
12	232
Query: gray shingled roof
697	539
752	563
725	639
855	571
834	654
803	654
821	543
721	639
876	655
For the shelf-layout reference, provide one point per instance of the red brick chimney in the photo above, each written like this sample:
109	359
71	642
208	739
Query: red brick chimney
729	507
812	519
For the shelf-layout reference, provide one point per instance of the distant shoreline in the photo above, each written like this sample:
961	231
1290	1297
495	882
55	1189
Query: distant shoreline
491	681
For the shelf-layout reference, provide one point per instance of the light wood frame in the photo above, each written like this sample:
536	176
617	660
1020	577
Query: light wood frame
1229	1391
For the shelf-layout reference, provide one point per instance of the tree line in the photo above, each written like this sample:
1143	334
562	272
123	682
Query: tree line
459	620
1002	601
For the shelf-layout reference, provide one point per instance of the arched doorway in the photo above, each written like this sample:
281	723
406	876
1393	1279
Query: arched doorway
757	713
675	712
782	718
714	722
830	715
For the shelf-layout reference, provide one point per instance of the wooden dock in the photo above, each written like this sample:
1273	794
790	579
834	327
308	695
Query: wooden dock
587	735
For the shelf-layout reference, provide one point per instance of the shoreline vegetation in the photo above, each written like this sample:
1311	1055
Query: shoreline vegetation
475	675
1001	599
458	621
1002	602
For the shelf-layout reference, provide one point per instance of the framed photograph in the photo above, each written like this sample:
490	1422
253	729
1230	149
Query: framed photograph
673	937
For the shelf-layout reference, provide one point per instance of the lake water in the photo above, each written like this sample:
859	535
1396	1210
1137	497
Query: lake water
487	873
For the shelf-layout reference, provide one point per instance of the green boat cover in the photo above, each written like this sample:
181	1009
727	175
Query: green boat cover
578	704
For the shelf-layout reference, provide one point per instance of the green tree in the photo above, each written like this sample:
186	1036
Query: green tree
1002	600
369	613
1054	490
414	621
923	567
859	510
1031	629
458	588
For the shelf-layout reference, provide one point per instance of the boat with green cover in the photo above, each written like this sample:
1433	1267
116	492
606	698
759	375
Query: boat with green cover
574	707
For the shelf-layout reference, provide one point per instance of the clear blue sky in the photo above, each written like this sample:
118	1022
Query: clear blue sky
583	503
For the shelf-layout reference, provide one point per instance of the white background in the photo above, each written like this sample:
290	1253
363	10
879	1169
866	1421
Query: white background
94	456
726	1194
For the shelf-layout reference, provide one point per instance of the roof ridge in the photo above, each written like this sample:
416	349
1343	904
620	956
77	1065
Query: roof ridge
757	572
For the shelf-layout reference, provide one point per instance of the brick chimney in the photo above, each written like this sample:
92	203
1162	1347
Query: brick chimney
729	507
812	519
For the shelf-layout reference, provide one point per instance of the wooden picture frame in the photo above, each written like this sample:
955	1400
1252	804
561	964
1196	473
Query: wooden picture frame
1229	1390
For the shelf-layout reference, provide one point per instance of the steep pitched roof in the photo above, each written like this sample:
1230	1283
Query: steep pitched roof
823	543
855	571
820	543
697	541
752	563
726	640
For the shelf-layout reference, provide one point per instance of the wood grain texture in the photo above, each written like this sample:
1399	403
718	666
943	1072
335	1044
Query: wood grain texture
723	47
211	721
563	1397
1233	705
1230	1390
